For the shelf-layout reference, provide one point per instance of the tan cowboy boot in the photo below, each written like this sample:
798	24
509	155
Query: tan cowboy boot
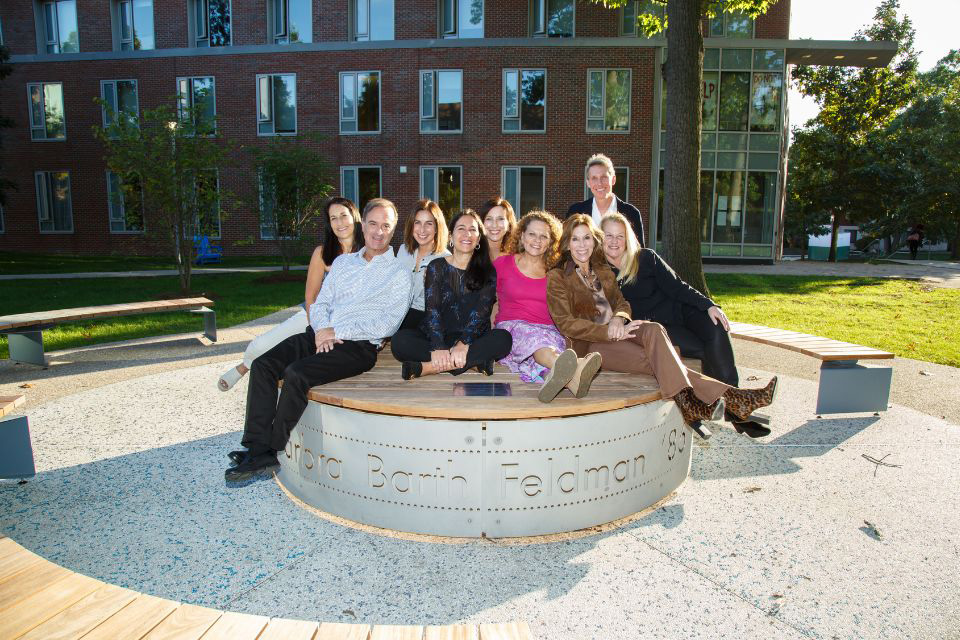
742	402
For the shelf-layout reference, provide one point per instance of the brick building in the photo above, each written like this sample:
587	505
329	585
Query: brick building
457	100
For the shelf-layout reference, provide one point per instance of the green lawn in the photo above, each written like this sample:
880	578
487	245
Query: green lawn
18	263
907	318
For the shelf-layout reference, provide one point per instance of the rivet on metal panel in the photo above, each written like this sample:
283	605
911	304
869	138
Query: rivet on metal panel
498	440
469	439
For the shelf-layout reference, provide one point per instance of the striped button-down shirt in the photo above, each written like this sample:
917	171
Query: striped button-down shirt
363	300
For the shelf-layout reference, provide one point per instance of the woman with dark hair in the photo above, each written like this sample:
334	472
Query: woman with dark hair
539	352
455	333
424	240
499	221
343	234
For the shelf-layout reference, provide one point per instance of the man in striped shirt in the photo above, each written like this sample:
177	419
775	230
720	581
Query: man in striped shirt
363	300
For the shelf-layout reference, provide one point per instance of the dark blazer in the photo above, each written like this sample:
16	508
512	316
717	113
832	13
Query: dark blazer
627	210
657	292
573	309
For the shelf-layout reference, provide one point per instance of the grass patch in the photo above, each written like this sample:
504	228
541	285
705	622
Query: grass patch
910	319
238	297
20	263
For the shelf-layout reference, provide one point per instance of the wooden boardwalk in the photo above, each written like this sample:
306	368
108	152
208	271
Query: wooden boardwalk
41	600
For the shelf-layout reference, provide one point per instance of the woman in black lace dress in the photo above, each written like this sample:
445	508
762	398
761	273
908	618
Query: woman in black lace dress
460	290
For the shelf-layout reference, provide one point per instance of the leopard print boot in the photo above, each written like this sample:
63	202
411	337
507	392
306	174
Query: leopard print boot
694	410
742	402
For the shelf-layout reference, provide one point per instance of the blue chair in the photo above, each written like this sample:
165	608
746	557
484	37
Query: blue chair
206	251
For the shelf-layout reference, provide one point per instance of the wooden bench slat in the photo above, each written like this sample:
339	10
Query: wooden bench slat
236	626
67	315
452	632
342	631
9	403
187	622
135	620
396	632
283	629
46	603
12	563
505	631
76	620
31	580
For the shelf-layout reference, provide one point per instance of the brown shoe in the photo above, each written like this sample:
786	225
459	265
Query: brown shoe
742	402
694	410
587	369
561	373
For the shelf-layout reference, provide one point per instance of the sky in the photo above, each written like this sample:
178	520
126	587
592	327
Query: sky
934	21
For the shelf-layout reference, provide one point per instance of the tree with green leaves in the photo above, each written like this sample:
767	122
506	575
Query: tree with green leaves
855	102
292	180
170	163
5	122
805	213
683	71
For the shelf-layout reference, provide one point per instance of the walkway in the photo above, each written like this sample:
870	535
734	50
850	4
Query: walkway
936	273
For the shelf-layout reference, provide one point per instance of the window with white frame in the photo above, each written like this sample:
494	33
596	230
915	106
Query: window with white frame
210	20
443	185
124	203
46	111
608	100
441	101
372	19
133	20
290	21
59	21
360	184
120	100
207	193
525	100
277	104
461	18
633	9
360	102
523	188
552	18
733	24
54	207
197	99
621	186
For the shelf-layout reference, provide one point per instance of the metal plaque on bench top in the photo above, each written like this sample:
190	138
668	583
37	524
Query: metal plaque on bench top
494	478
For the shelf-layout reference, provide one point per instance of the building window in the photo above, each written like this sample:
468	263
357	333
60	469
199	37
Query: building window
443	185
277	104
207	220
360	184
461	18
124	204
134	24
360	102
46	111
211	23
120	99
635	8
441	101
59	20
291	21
621	187
735	24
197	99
2	228
54	208
552	18
523	188
525	100
372	19
608	100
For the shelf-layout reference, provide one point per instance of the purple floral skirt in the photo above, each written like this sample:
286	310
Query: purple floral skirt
527	338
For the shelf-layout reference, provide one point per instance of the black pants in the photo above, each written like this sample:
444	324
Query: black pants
296	362
914	246
412	345
698	337
412	320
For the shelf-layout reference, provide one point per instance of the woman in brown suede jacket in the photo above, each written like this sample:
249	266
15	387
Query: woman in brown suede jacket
589	310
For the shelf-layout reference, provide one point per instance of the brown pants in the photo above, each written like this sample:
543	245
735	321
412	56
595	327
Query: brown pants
650	352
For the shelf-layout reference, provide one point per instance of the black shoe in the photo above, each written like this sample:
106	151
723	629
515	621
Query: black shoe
701	430
749	427
486	368
410	370
236	457
252	465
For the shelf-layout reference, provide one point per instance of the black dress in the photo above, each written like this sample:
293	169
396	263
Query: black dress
659	295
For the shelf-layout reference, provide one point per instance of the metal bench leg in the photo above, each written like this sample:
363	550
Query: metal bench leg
16	454
848	387
209	322
27	346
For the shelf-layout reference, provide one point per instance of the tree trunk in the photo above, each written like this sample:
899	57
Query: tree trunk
834	230
955	249
681	197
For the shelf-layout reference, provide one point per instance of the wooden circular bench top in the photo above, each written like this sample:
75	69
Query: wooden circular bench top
381	390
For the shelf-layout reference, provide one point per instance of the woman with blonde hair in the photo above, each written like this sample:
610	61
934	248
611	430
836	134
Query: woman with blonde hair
539	352
424	240
499	221
694	323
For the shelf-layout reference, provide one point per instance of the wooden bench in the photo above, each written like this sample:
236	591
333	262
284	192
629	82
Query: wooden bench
25	330
845	385
39	599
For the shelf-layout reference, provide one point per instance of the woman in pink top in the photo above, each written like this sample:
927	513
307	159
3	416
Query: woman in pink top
539	352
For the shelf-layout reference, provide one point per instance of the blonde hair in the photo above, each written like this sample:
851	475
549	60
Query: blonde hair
630	260
552	255
600	159
439	239
597	258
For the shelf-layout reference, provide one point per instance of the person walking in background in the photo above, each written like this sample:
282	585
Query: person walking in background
914	240
600	180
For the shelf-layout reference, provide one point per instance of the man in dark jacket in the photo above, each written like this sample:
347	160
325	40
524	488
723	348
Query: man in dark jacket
600	180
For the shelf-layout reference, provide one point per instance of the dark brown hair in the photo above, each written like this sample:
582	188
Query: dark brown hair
511	218
431	207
